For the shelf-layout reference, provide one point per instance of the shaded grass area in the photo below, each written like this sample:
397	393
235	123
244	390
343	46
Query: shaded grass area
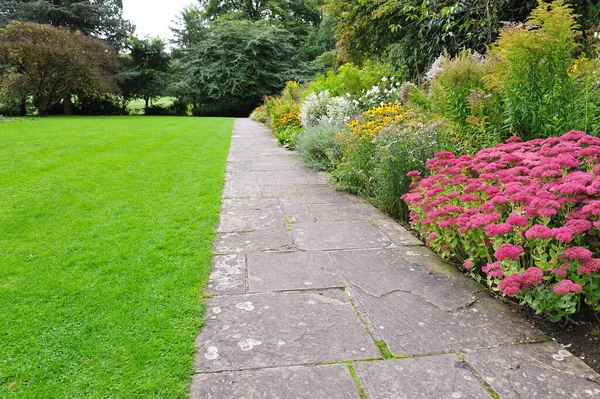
137	106
106	227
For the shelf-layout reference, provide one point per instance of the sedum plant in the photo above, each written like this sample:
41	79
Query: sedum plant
525	214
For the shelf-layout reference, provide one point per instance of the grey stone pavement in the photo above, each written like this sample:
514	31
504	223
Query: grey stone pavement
319	295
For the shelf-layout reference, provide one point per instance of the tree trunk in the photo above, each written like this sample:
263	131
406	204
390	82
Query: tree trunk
23	107
147	99
68	105
43	105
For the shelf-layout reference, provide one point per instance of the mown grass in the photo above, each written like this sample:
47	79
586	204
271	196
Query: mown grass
106	226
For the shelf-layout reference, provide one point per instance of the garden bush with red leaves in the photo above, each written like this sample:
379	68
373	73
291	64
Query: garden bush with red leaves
524	214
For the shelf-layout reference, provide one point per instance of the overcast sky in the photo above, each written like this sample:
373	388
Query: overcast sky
153	17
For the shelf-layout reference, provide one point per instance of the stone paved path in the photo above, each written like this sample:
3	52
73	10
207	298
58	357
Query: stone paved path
319	295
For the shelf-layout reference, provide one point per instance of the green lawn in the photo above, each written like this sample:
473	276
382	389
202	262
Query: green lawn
106	227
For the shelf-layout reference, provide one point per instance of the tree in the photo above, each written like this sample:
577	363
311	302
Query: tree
295	16
190	27
127	80
150	62
417	31
48	63
240	61
99	18
7	12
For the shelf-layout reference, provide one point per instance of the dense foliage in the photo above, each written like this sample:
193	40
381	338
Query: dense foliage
239	62
49	63
102	19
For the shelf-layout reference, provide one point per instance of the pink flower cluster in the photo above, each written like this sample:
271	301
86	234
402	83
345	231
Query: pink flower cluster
565	286
528	204
513	284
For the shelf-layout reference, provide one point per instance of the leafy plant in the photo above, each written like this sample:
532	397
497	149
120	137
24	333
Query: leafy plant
531	72
242	60
49	63
322	108
400	149
523	213
350	79
284	119
354	170
317	146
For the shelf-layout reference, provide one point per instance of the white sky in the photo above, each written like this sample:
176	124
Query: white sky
153	17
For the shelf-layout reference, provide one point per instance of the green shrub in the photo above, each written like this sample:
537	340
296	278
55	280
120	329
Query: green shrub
260	114
401	149
106	105
415	98
540	97
292	92
351	79
232	107
179	107
459	96
357	142
157	110
451	86
317	146
283	119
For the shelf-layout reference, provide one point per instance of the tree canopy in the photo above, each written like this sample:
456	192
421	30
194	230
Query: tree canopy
190	27
148	68
49	63
414	32
241	60
99	18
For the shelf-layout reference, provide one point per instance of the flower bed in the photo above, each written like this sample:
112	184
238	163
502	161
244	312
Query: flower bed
523	214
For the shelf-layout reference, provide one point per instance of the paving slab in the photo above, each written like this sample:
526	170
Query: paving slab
317	189
331	382
274	240
410	325
332	198
381	272
238	187
278	190
228	275
251	219
398	234
292	271
251	204
298	213
441	376
236	166
544	370
285	164
352	234
281	329
340	212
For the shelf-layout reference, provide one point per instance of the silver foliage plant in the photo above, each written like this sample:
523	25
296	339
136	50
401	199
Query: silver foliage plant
322	108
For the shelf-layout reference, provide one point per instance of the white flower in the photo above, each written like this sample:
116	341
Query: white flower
436	68
322	108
